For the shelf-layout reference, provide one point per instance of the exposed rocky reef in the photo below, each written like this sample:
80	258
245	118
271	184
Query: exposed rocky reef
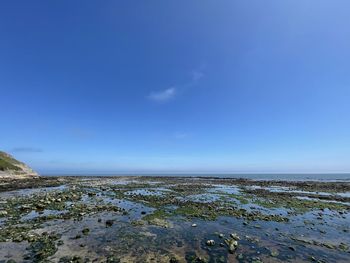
173	219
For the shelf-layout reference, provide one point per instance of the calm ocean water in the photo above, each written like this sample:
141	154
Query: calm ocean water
274	176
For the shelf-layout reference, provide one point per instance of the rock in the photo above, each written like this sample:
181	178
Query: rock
109	223
17	239
343	246
312	258
235	236
25	207
292	248
113	259
330	246
256	260
40	206
232	245
3	213
160	222
200	260
85	231
274	254
76	259
210	242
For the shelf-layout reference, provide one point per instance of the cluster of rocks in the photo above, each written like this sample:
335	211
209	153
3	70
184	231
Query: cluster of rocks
231	242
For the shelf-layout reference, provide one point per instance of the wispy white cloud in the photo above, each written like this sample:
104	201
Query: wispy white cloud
163	95
169	93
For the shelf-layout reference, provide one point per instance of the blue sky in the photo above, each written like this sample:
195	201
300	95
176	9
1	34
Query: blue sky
176	86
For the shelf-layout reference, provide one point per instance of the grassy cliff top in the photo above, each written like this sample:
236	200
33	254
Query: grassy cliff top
7	162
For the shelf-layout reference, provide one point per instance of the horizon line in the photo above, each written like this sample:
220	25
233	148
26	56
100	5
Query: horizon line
191	173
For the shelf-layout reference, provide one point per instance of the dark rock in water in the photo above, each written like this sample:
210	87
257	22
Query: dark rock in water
85	231
173	260
109	223
292	248
40	206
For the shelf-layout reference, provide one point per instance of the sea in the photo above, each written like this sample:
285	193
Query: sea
329	177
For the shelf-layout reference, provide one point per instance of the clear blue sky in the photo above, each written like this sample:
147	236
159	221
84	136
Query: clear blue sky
176	86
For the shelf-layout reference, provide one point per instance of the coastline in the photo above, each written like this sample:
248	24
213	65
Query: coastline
173	219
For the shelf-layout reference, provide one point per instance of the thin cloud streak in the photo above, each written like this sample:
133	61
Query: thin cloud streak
168	94
163	96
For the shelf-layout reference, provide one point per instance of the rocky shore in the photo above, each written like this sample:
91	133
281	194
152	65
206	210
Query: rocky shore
173	219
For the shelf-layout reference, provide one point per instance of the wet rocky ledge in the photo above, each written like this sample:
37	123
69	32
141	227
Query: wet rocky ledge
173	219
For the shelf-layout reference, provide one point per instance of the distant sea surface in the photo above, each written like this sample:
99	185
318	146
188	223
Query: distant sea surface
264	176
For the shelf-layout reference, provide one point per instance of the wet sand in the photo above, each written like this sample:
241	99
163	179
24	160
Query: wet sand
173	219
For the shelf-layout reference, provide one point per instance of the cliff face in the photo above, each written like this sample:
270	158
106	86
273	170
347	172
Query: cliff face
11	168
